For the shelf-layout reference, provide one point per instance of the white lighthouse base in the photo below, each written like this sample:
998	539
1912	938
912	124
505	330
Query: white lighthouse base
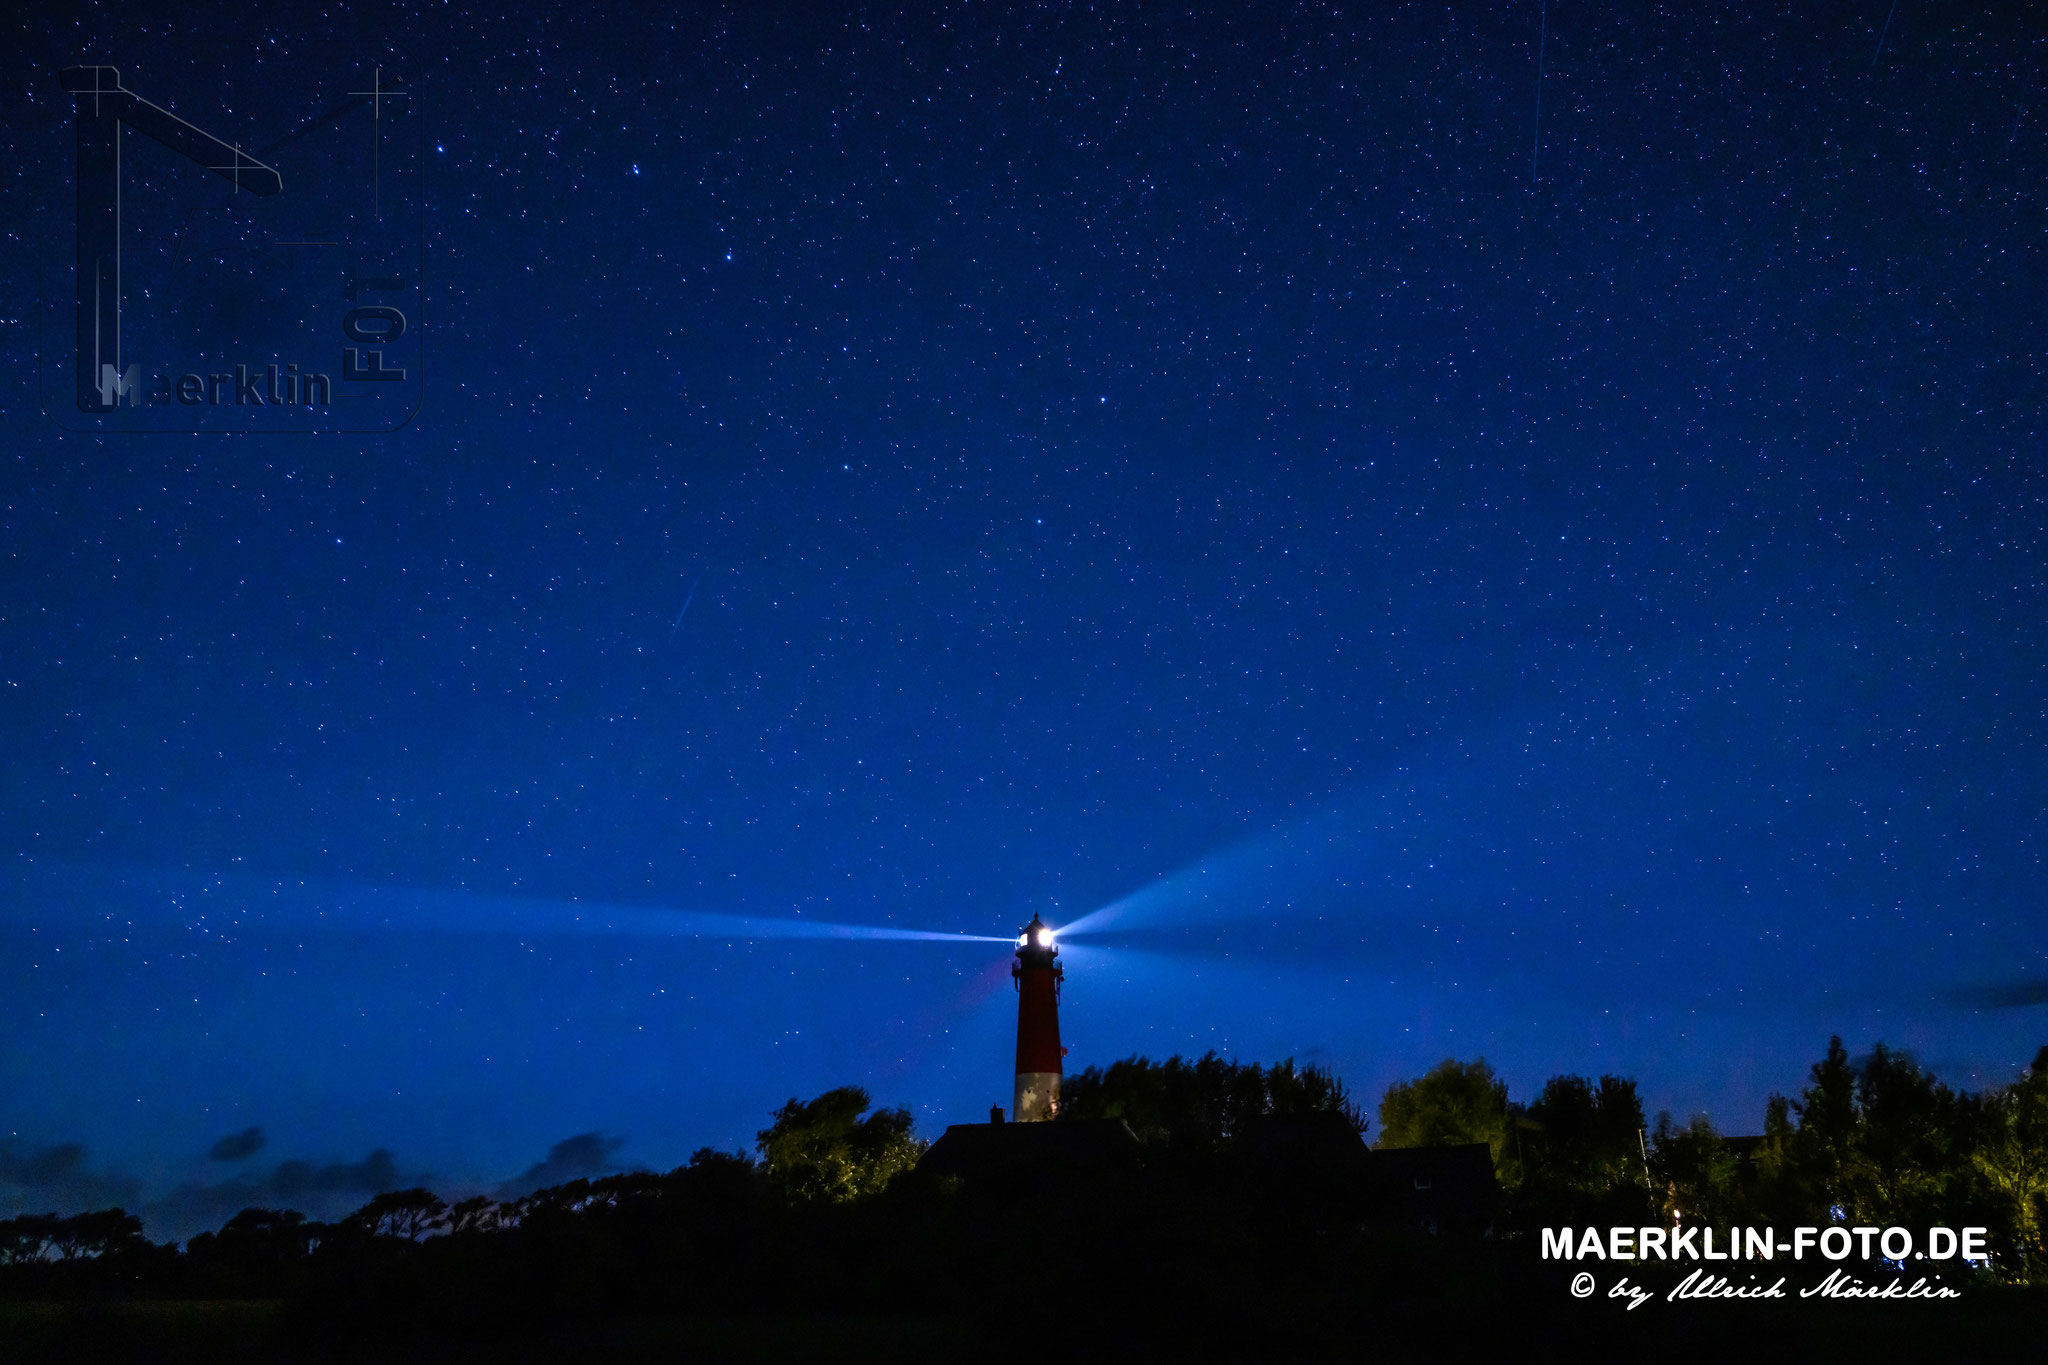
1038	1096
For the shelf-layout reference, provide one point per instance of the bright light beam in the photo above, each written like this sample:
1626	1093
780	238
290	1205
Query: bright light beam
1336	855
1242	879
474	913
234	903
581	917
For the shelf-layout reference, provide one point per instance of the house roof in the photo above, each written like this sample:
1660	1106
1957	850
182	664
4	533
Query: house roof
975	1151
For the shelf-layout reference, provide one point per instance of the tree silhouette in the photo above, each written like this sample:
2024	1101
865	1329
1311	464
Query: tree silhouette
1695	1171
27	1237
33	1237
1204	1103
1908	1124
2014	1159
825	1151
410	1214
1583	1148
1825	1151
473	1214
102	1233
1455	1102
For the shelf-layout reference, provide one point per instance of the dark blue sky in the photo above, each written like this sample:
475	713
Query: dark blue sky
1579	606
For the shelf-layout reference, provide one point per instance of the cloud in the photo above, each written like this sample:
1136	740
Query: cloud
237	1146
321	1192
586	1154
374	1174
54	1180
2008	995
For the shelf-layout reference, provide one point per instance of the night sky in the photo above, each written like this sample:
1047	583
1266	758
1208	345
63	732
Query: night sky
1439	582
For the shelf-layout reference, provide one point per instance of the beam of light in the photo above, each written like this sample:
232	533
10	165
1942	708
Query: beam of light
1473	822
222	905
1254	877
505	914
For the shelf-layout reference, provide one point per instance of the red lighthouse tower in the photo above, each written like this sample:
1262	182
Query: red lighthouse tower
1038	974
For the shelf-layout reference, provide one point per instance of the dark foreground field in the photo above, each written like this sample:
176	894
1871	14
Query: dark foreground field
1398	1299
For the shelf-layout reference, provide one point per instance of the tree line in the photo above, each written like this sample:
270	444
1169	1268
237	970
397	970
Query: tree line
1876	1141
830	1212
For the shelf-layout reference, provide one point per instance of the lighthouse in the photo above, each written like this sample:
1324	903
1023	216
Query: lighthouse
1038	974
1031	1150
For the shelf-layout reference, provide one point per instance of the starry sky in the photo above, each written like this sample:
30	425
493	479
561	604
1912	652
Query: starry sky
1426	553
